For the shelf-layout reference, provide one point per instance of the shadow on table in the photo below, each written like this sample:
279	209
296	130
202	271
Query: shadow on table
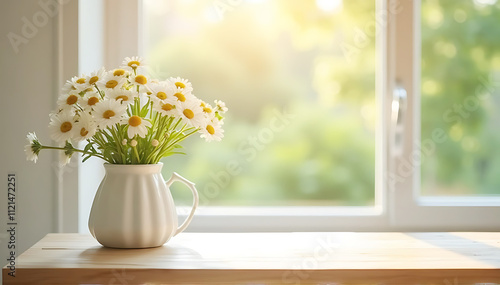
484	253
163	257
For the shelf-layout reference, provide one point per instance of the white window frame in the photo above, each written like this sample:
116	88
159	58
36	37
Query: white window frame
399	207
411	212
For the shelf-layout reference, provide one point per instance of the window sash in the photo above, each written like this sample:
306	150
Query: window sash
408	210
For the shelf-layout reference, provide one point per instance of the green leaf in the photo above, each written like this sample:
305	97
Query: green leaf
107	152
86	157
87	147
144	111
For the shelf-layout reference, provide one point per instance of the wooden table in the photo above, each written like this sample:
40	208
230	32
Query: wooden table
267	258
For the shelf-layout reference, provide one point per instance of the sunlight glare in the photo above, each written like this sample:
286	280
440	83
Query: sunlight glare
482	3
329	6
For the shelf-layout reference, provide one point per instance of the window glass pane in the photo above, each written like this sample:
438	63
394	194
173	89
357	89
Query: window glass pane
299	80
460	103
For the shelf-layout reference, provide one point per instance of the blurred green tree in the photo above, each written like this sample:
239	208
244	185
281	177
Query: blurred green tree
318	63
460	60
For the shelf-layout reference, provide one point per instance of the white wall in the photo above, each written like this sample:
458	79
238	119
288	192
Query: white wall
30	77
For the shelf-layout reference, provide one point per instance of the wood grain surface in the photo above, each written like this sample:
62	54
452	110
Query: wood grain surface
267	258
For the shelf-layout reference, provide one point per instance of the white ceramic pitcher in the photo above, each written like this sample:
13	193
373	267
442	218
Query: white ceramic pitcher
133	207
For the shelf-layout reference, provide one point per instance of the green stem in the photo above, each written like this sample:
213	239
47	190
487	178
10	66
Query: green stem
99	91
118	141
136	154
76	150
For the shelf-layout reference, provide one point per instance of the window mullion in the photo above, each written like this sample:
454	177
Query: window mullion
404	164
122	30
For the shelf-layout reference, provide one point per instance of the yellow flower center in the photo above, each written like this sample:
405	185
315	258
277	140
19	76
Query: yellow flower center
188	113
180	85
118	72
80	80
93	79
134	64
72	99
180	97
210	130
123	97
111	84
83	132
141	79
167	107
92	101
161	95
134	121
66	127
207	110
108	114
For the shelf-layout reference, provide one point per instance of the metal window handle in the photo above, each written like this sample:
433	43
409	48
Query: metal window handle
399	99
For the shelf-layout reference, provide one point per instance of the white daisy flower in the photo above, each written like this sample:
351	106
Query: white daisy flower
68	87
89	100
212	131
161	91
108	113
166	108
133	63
122	95
119	72
138	80
61	126
207	110
30	154
97	76
69	100
85	128
112	82
81	83
181	83
137	126
32	149
220	106
184	96
64	158
192	113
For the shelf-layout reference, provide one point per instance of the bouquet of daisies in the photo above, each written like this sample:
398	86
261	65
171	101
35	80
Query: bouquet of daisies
125	117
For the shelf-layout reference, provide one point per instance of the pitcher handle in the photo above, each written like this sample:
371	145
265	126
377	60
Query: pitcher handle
177	178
